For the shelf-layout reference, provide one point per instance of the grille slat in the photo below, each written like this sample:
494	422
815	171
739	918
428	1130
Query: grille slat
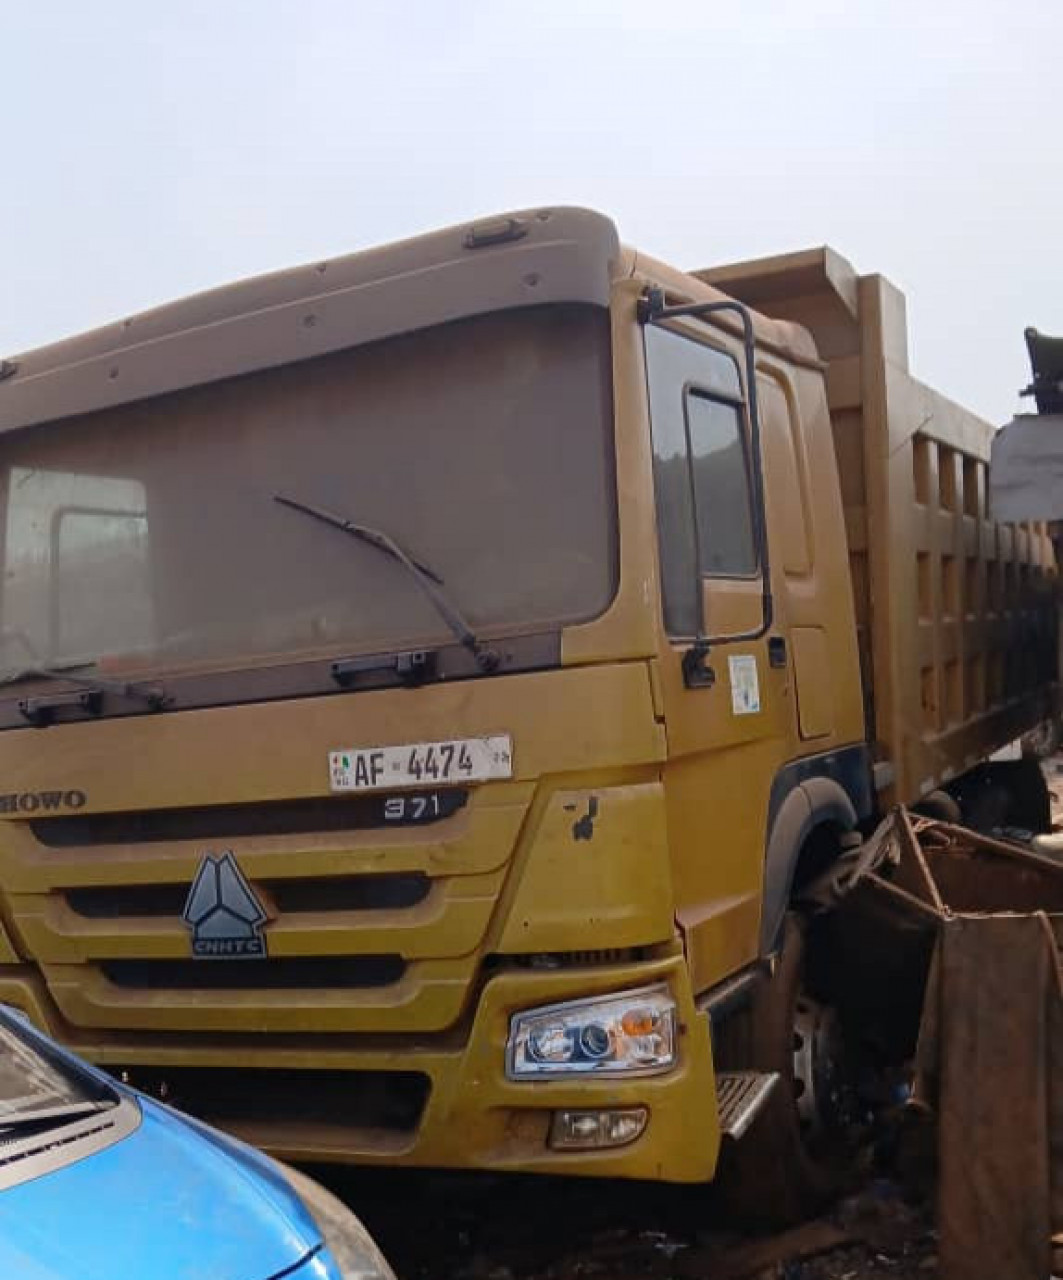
214	823
274	974
228	1096
323	893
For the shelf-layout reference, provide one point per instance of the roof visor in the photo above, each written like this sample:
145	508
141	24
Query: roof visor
518	260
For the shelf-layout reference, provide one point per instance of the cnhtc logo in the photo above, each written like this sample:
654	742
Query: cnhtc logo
223	913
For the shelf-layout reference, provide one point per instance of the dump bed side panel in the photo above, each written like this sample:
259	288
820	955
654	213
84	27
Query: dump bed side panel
969	634
955	612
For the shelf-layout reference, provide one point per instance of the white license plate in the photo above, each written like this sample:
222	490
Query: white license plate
421	764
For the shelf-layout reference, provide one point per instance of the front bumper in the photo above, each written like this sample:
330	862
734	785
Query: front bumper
472	1117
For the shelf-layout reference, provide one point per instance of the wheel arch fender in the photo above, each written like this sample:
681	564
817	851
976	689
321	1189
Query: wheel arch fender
811	803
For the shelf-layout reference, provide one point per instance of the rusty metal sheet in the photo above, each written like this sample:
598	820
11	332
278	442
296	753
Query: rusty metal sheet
994	1045
989	1058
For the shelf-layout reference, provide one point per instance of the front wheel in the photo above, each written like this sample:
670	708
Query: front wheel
799	1153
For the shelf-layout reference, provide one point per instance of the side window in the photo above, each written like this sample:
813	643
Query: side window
722	510
701	472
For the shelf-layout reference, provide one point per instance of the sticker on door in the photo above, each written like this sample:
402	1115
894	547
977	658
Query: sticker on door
745	688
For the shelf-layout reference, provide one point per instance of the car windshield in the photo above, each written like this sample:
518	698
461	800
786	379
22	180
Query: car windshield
33	1083
146	536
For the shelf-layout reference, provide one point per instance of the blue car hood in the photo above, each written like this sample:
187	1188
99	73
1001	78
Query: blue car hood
173	1201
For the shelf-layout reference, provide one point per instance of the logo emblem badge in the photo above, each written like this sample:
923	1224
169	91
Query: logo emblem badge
223	914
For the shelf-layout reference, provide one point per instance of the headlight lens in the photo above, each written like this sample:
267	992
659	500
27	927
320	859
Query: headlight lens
630	1033
350	1245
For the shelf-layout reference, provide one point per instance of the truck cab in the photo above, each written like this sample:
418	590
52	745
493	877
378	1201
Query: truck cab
427	674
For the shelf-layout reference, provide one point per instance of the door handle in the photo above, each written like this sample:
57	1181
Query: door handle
777	651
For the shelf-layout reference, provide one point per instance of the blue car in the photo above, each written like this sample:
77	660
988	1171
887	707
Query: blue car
98	1181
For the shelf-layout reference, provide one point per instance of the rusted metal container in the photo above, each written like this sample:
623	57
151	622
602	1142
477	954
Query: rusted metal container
960	945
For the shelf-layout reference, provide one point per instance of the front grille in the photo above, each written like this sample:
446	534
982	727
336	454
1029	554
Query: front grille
279	974
323	893
365	932
232	1096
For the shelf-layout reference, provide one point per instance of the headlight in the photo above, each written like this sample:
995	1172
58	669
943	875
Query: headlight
628	1034
351	1246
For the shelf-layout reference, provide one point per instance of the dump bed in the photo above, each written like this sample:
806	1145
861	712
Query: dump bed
956	612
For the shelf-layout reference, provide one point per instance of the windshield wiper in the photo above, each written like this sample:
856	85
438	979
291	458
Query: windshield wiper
92	688
429	582
51	1116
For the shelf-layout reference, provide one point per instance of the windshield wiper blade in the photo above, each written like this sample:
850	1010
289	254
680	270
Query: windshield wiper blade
53	1115
429	582
155	696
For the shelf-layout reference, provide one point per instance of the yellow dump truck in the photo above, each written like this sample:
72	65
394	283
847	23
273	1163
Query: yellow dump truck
429	678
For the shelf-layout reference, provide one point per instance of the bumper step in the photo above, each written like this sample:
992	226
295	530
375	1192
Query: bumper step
740	1096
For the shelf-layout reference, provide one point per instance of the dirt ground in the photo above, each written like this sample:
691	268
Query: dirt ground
441	1227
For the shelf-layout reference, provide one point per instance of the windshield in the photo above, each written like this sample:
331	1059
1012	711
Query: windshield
31	1084
147	535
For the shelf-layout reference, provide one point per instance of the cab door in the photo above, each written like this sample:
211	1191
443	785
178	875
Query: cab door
722	656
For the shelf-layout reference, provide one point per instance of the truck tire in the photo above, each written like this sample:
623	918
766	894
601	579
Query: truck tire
940	805
780	1173
1005	793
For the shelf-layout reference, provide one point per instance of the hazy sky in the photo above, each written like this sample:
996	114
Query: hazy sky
152	149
